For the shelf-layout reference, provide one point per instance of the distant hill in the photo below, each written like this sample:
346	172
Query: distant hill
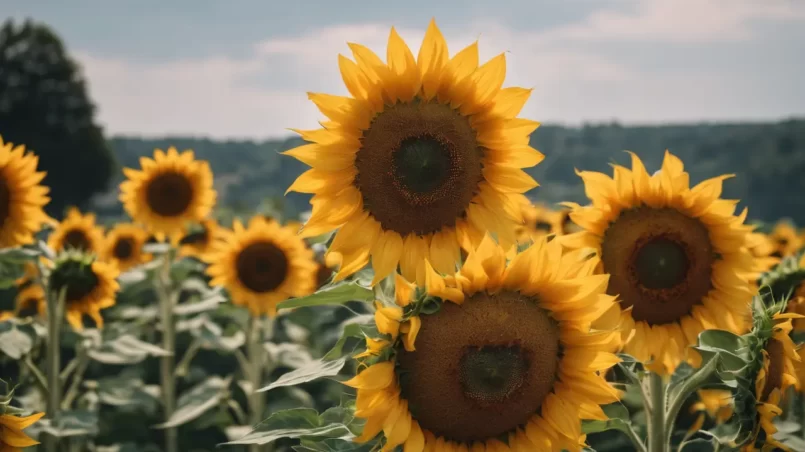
768	160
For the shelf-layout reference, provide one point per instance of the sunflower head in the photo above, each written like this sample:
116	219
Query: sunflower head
775	370
261	264
786	239
539	220
87	283
77	232
677	257
199	239
12	437
31	300
494	357
124	246
424	157
22	198
717	404
169	191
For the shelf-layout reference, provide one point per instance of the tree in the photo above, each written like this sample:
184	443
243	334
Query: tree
45	106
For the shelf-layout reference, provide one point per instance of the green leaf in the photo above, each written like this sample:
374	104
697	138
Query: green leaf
198	400
125	391
288	354
18	256
125	349
211	337
588	427
66	424
209	303
294	423
351	330
16	339
334	295
333	445
315	370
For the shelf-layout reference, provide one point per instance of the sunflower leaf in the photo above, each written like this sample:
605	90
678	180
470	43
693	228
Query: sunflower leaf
294	423
16	339
334	295
198	400
314	370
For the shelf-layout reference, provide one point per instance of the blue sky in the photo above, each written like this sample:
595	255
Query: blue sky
241	69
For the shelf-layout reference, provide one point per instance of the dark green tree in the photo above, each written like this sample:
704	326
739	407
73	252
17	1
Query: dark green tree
45	106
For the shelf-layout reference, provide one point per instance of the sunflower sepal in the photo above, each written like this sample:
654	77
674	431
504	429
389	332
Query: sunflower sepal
5	399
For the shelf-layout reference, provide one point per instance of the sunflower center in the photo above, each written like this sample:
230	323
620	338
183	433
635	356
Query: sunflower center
261	267
774	376
660	263
492	374
418	167
5	201
77	277
124	248
481	369
76	239
169	194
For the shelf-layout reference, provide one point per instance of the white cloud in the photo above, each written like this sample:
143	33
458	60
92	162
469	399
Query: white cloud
572	80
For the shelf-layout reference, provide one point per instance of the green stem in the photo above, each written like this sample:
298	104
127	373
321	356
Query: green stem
78	376
256	357
40	378
801	399
55	304
163	284
656	415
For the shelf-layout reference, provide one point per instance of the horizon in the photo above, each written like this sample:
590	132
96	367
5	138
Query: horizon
211	69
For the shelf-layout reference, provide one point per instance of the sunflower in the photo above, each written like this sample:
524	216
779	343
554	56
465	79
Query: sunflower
762	248
786	239
676	255
77	231
199	240
31	300
22	198
504	359
171	190
715	403
12	438
124	246
5	315
261	265
539	220
422	160
796	303
778	373
88	283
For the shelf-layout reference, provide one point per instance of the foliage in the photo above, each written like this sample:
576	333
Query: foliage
44	105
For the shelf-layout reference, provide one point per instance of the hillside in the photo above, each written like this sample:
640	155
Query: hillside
768	160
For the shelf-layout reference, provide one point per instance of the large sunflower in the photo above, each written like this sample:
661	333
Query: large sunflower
124	246
676	255
169	191
199	240
423	159
22	198
77	231
261	265
12	437
89	286
779	372
504	359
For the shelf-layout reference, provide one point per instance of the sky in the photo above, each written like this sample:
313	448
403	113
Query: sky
241	69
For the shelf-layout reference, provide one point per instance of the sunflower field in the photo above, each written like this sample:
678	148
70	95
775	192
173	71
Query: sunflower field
427	302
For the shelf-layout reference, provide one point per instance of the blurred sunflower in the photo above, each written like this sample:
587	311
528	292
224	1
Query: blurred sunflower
422	160
777	374
505	361
261	265
796	303
786	239
12	437
762	249
31	300
169	191
676	255
124	246
5	315
77	231
88	283
22	198
199	240
715	403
